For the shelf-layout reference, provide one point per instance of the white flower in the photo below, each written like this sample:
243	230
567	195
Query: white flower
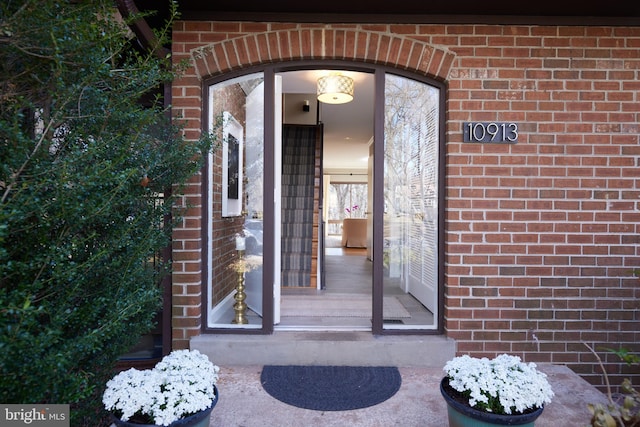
181	384
502	385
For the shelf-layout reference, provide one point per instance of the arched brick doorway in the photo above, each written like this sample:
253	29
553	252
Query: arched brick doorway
231	56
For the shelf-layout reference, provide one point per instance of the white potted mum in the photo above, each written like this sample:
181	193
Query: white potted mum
500	391
179	391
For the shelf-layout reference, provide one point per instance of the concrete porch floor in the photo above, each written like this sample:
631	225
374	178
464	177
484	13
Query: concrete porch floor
244	403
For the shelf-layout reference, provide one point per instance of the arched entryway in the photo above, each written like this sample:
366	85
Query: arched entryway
267	181
228	63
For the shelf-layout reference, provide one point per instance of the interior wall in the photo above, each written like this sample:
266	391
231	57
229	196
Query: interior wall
294	111
358	176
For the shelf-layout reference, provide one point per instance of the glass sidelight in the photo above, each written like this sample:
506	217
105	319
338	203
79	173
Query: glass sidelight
410	219
235	199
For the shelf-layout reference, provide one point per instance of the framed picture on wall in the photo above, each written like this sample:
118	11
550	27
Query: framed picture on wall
232	145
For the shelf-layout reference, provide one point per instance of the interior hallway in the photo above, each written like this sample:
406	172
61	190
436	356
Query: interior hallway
347	275
347	272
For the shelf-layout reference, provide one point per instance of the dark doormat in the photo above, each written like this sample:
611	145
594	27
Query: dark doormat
331	388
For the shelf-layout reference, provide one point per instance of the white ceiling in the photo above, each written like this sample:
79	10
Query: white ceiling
348	128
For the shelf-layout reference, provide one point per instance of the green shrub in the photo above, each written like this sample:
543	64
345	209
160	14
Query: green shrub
623	411
84	174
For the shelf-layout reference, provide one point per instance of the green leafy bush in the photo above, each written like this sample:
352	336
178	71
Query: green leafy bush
623	411
84	174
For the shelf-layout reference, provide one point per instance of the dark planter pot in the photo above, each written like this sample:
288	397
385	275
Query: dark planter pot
461	415
199	419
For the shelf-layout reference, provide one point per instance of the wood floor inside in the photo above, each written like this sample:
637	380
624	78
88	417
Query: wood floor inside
348	277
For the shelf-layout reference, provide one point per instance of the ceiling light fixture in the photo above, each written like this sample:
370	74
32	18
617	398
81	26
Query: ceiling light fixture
335	89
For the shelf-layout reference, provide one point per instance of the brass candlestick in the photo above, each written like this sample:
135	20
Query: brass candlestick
240	307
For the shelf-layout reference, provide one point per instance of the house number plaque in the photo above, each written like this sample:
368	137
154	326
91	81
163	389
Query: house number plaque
490	132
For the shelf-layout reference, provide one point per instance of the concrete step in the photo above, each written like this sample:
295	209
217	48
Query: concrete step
326	348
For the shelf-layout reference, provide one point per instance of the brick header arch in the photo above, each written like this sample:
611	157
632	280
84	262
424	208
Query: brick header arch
323	43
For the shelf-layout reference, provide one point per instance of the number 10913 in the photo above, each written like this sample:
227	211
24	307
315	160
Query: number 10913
490	132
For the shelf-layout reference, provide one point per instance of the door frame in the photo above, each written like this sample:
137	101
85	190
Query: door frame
270	204
378	202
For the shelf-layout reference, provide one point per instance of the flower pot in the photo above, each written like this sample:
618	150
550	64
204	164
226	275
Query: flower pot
199	419
463	415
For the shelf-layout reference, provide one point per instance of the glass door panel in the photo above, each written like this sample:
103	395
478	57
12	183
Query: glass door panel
235	200
410	235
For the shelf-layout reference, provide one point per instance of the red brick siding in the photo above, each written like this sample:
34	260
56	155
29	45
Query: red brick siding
541	236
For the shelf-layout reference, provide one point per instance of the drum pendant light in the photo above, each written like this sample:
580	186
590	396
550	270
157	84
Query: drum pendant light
335	89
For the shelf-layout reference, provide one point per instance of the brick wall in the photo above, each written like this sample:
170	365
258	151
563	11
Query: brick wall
542	235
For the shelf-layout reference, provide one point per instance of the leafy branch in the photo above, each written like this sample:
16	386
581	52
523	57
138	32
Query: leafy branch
614	414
